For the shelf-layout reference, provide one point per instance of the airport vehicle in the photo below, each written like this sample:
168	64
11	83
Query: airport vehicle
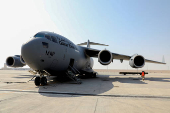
141	73
51	54
125	73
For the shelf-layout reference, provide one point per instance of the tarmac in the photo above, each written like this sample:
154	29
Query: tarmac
110	92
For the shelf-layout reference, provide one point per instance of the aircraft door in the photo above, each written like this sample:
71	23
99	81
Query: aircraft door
71	62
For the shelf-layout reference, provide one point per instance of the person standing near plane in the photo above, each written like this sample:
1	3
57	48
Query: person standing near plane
143	75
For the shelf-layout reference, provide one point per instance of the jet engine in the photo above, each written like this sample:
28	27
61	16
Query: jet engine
137	61
105	57
15	61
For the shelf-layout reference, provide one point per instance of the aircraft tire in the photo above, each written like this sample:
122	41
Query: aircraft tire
94	75
43	81
37	81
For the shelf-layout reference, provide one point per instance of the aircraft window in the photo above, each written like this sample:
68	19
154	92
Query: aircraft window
48	37
54	39
39	35
45	45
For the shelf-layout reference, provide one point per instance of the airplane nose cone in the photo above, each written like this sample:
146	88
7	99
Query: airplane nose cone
30	52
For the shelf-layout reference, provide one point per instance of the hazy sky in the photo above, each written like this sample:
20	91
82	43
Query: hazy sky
128	26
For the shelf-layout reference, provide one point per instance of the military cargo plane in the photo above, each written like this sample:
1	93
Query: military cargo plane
50	54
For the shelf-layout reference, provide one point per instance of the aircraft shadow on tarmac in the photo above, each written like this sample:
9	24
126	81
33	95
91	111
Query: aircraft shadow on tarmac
23	76
91	86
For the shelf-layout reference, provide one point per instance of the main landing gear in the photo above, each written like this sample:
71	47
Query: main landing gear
40	80
93	75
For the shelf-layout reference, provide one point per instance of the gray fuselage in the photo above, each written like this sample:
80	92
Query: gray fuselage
52	52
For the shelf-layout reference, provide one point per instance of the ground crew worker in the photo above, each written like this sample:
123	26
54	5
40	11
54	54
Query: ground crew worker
143	75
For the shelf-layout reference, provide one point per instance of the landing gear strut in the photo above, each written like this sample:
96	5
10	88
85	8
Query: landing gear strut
40	79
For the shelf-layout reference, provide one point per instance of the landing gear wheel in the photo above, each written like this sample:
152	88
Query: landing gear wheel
37	81
93	75
43	81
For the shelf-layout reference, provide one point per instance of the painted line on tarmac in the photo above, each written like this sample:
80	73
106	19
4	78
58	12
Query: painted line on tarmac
84	94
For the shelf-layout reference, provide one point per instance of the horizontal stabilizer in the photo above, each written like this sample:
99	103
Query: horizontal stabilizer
88	43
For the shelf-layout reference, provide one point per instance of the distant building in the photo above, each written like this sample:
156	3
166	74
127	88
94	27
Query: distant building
5	66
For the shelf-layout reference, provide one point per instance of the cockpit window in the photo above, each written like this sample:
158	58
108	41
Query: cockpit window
48	37
39	35
54	39
45	45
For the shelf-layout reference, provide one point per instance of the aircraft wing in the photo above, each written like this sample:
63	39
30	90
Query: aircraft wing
156	62
94	53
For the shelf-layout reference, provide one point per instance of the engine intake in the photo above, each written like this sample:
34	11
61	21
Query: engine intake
14	61
105	57
137	61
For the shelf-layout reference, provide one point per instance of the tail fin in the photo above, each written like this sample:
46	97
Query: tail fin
88	43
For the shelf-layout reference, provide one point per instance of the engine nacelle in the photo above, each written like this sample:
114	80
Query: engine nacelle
137	61
105	57
15	61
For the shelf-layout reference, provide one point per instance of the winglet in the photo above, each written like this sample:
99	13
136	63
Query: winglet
88	43
163	59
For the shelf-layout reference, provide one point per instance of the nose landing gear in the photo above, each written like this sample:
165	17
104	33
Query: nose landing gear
37	81
42	81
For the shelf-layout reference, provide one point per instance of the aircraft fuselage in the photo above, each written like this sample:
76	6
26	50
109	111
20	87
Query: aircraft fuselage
52	52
